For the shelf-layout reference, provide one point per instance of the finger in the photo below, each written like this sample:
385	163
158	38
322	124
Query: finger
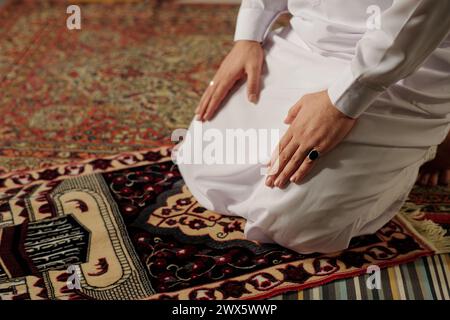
215	101
292	113
273	157
275	167
253	83
204	104
283	159
276	160
269	181
294	163
285	139
434	179
202	99
303	170
444	178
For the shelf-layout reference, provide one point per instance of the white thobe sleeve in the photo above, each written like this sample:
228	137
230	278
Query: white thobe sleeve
255	18
409	32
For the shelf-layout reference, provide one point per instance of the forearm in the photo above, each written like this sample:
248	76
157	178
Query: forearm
255	18
410	31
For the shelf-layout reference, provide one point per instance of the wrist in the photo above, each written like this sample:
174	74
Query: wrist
247	43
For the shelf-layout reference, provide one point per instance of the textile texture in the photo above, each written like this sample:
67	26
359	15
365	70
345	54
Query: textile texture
125	81
122	83
126	227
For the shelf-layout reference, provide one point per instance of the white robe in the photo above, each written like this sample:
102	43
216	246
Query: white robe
403	114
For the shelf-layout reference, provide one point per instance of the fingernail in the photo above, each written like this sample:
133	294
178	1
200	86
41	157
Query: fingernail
269	181
277	182
281	184
253	98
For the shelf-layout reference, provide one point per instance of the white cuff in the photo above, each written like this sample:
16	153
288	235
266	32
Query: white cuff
351	96
253	24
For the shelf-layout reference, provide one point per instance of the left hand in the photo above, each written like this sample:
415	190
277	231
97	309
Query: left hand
315	123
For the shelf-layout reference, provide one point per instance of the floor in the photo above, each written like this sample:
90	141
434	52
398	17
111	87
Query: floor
427	278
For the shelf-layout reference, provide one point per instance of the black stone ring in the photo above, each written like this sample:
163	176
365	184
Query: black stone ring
313	155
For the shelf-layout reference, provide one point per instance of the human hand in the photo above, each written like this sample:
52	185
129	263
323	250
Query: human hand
315	124
245	59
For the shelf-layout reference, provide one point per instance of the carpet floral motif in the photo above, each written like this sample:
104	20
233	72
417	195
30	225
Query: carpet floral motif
124	82
126	227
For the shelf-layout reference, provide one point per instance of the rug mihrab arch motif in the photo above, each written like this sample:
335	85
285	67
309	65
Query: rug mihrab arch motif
130	229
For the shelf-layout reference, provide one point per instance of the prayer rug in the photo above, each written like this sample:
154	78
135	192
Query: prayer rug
126	227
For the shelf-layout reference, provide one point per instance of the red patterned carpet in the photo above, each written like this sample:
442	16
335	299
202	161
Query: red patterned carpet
131	75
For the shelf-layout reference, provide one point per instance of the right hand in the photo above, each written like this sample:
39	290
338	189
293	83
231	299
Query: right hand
245	59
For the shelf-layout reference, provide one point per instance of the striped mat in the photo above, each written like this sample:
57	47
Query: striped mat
425	279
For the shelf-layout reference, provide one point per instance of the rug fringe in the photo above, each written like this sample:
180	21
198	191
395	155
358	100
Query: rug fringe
430	231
